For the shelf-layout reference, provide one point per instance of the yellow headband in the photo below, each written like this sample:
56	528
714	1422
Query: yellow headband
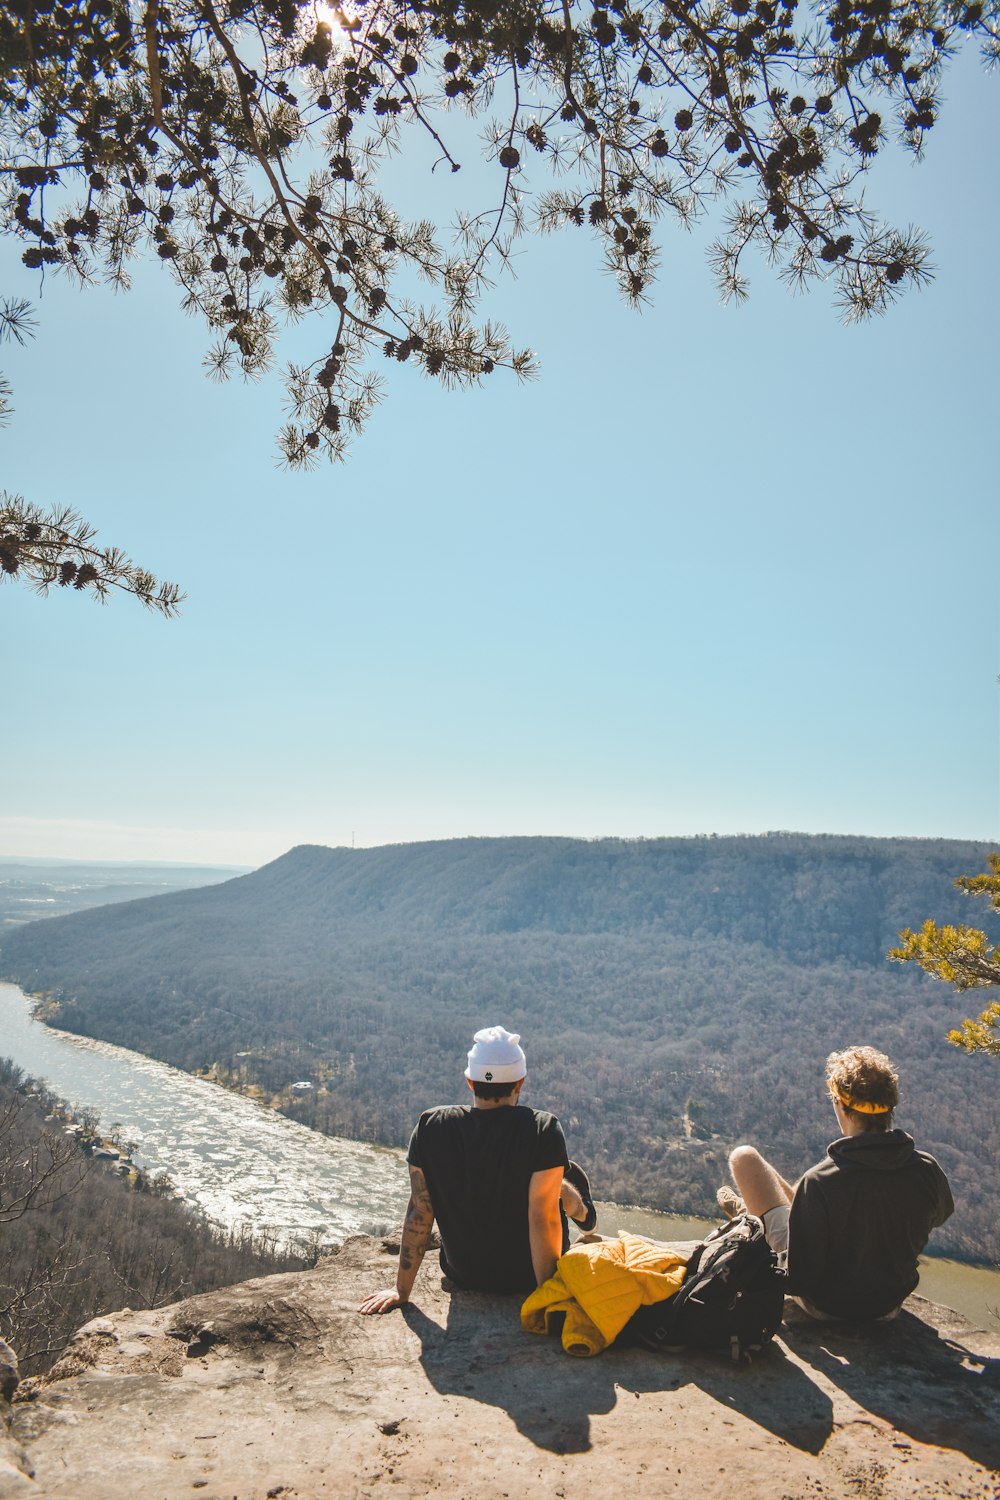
862	1106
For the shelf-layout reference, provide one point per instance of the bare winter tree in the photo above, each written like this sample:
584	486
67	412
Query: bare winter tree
38	1169
77	1239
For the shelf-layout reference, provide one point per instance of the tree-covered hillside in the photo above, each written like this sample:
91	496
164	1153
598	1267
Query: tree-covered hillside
674	995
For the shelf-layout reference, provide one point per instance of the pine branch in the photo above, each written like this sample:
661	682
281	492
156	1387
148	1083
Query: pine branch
242	145
964	958
57	549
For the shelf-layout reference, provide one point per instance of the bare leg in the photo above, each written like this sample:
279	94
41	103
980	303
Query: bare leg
575	1197
572	1202
759	1185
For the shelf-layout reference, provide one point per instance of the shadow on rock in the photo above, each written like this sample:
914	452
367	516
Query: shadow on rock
551	1397
773	1392
468	1357
926	1383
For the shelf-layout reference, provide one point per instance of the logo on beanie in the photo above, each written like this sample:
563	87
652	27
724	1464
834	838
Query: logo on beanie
489	1078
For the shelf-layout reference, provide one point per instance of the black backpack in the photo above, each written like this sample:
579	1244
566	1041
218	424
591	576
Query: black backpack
732	1297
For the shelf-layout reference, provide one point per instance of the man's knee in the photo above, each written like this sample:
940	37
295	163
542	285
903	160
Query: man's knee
744	1158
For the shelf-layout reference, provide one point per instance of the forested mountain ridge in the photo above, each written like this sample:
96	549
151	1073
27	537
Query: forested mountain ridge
823	897
674	994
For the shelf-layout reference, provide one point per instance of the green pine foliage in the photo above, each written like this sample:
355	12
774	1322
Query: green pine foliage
963	957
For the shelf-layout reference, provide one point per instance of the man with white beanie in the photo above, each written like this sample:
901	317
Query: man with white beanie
497	1178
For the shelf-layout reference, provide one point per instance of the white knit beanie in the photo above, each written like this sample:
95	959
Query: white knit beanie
496	1057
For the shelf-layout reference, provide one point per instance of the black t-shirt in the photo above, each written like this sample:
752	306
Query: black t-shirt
478	1164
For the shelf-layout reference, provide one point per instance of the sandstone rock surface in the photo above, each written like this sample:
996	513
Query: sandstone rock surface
278	1388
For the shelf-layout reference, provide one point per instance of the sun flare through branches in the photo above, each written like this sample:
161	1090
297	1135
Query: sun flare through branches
245	143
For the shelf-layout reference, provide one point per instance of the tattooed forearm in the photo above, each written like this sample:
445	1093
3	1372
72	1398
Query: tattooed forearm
416	1234
413	1242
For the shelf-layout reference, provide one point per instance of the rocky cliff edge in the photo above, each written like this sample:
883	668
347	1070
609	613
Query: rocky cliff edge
278	1388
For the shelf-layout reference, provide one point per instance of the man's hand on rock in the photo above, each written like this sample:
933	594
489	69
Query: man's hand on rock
382	1302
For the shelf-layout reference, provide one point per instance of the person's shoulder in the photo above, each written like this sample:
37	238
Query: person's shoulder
813	1176
543	1118
441	1114
930	1163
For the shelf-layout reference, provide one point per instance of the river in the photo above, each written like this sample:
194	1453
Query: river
227	1156
239	1163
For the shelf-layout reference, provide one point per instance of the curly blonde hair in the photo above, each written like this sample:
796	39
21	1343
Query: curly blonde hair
862	1076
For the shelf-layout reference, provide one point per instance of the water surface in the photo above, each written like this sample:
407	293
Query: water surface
236	1161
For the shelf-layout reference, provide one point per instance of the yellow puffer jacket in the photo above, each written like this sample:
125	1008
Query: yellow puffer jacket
599	1286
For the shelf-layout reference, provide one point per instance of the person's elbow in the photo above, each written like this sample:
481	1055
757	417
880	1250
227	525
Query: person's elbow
419	1214
544	1220
545	1235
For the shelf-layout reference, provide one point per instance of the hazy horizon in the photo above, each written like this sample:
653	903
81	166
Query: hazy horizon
237	867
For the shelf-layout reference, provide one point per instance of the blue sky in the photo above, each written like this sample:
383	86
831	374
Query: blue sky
717	570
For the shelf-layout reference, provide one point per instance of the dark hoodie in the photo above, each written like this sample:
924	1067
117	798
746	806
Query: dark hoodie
859	1219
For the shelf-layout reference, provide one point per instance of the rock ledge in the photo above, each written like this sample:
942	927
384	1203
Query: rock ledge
278	1388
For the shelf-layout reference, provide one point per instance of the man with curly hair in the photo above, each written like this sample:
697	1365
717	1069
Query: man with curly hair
851	1229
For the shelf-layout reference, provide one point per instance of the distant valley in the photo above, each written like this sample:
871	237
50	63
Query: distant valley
35	888
674	995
